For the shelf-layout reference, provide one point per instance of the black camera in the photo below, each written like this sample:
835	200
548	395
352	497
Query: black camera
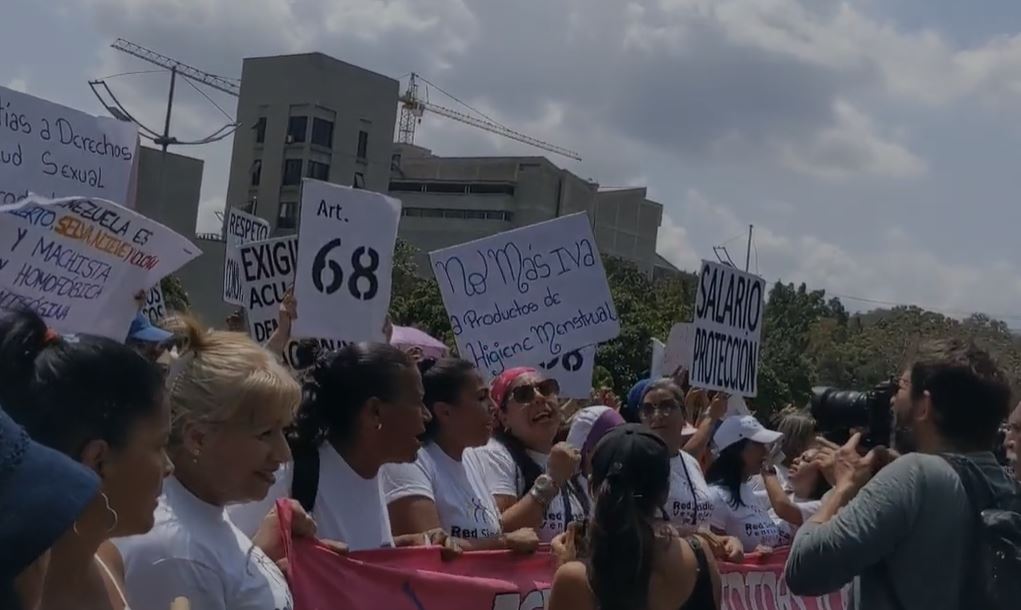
836	412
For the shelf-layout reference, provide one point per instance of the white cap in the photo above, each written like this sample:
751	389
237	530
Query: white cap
584	421
738	428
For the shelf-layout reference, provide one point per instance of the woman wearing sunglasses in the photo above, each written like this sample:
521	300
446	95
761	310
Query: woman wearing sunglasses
532	481
689	506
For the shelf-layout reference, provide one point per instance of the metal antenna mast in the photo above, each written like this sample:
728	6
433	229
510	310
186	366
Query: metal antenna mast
164	139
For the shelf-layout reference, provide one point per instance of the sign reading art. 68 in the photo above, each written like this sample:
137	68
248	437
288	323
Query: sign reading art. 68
345	257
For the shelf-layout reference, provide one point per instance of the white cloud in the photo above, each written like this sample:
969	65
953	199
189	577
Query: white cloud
900	270
852	146
674	245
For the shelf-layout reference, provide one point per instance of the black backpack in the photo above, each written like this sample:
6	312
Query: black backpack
994	582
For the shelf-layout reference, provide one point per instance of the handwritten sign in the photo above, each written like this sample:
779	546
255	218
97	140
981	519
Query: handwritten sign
678	349
267	272
56	151
240	229
79	262
728	329
573	371
527	295
155	308
345	258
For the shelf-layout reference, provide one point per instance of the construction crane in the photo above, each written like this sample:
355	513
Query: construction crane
413	107
229	86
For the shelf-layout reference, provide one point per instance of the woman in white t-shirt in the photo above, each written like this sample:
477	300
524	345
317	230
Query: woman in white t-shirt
802	498
444	486
230	403
362	408
529	477
743	445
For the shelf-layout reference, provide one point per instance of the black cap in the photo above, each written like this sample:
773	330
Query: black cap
635	454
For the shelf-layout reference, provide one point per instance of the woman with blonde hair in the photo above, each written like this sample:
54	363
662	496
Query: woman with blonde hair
230	403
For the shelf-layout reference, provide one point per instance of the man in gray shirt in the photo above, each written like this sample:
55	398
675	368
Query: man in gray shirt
905	526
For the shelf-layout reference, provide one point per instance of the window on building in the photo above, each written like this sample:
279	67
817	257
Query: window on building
455	188
260	130
292	172
318	171
395	161
456	213
297	128
288	215
491	189
322	133
363	144
256	172
406	187
359	181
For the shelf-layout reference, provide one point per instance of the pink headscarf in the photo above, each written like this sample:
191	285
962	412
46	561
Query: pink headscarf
501	385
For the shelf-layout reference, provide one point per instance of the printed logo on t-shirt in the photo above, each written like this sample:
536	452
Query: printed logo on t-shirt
683	512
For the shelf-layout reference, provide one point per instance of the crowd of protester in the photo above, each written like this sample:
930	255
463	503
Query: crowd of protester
168	454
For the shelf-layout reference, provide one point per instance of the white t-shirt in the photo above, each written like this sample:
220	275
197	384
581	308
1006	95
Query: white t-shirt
503	478
348	508
463	502
751	523
196	552
688	513
808	508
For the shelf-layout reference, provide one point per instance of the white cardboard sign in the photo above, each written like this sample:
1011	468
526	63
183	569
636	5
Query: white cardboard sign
345	259
678	349
267	272
155	308
79	263
573	371
56	151
729	310
658	349
240	229
527	295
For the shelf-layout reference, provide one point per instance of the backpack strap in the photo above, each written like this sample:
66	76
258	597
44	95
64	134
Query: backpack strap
305	482
976	485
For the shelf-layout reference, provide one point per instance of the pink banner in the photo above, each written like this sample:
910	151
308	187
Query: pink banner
418	579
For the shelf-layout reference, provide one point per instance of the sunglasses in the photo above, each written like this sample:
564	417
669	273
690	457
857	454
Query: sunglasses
666	407
526	393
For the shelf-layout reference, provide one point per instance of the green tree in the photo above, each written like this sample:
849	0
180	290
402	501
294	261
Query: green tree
174	294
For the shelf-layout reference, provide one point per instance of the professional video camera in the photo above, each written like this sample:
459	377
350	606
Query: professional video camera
836	412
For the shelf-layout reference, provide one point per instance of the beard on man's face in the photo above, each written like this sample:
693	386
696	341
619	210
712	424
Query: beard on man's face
904	432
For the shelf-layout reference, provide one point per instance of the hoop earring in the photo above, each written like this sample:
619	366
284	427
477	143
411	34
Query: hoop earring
379	427
110	510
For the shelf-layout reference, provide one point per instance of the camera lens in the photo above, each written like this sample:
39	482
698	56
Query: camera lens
839	409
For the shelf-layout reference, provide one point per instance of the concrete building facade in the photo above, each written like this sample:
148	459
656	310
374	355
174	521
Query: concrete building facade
310	116
452	200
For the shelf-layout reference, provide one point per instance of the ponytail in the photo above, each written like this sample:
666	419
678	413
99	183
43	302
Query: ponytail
622	545
339	385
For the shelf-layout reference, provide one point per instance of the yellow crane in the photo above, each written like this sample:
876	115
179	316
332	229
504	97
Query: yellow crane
413	107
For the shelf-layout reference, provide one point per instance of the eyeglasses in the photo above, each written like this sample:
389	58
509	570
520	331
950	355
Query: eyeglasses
526	393
667	407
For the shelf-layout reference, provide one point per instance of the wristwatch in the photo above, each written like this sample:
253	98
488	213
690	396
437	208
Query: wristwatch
544	489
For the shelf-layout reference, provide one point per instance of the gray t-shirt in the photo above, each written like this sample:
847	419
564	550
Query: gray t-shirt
911	521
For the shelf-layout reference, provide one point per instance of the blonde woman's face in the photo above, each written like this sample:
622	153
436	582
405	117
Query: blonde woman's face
245	453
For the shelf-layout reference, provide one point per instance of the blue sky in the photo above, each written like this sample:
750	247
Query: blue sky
873	143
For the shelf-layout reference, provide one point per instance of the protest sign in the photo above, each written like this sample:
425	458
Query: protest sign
155	308
527	295
502	580
79	263
267	273
678	349
56	151
573	371
345	258
240	228
727	330
658	348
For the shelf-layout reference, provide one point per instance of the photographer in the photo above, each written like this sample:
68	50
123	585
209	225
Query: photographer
913	512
